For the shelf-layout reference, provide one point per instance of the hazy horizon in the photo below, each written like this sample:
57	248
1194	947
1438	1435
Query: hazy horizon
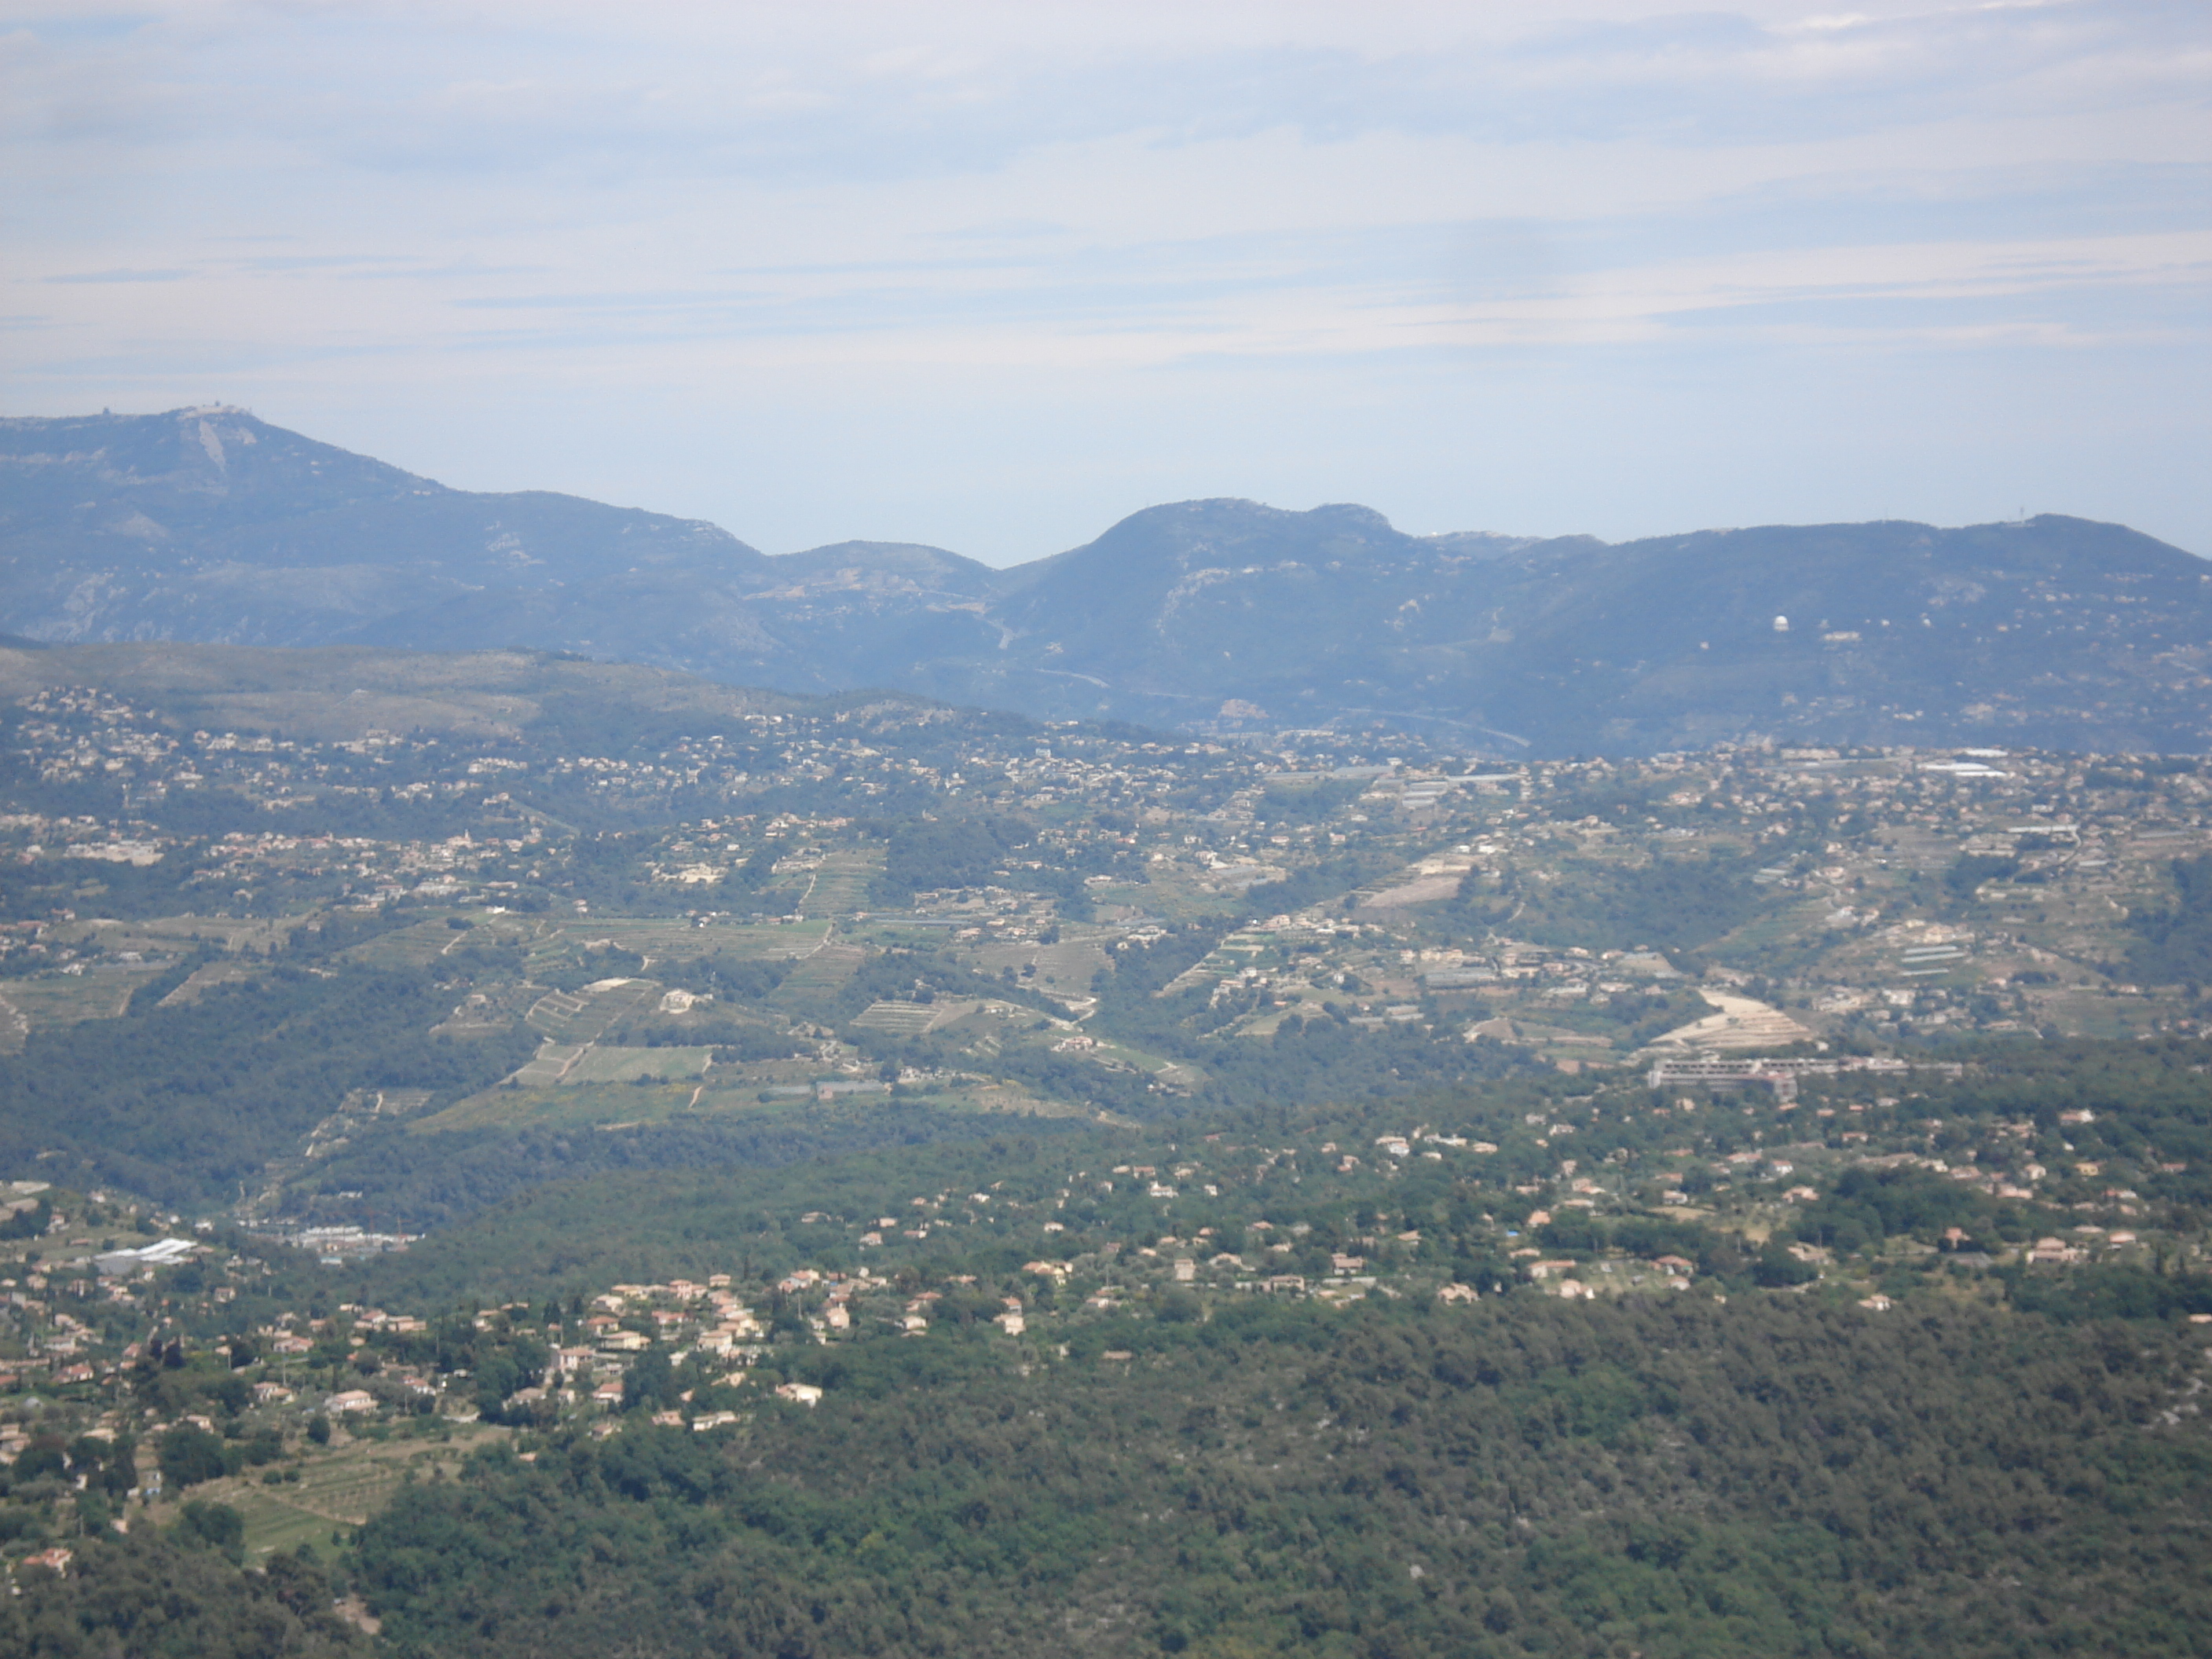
991	278
1022	558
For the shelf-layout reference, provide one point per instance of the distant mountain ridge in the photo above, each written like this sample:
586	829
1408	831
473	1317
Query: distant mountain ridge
1210	615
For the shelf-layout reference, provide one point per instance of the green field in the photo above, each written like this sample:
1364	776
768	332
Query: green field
152	935
577	1106
841	885
728	1092
426	941
601	1065
99	993
207	978
340	1485
1065	969
682	940
821	973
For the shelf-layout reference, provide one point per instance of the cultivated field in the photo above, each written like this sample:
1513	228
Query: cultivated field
340	1485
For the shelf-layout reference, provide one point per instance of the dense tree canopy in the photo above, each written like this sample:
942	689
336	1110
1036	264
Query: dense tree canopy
1675	1479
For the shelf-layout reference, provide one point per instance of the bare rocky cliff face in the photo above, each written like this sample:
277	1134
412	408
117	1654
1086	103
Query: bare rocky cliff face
1214	615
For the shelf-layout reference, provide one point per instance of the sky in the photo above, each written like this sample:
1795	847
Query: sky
993	275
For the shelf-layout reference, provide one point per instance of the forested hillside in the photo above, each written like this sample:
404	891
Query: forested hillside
1675	1479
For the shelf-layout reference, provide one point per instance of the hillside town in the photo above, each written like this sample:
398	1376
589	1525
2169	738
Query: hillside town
205	1359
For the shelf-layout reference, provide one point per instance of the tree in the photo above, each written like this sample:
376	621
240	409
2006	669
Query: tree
216	1525
651	1382
191	1455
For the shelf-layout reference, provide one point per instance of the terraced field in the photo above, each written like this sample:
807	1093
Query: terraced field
841	885
822	974
549	1065
911	1019
583	1017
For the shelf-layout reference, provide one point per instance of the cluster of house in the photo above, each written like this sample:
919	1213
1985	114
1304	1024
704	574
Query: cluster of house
711	1313
1564	1278
710	1319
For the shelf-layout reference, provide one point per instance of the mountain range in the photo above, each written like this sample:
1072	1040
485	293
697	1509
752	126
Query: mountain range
1218	616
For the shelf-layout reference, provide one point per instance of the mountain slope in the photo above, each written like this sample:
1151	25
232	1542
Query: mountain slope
2056	631
1218	616
210	524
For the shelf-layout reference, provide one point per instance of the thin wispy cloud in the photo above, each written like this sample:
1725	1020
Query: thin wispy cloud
991	274
172	275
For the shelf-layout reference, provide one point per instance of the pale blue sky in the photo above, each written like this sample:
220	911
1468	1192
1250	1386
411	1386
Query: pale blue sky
992	275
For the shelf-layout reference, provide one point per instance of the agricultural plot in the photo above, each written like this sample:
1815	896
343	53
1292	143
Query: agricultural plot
356	1111
841	885
483	1012
901	928
988	1029
1305	1004
1176	892
996	1099
1755	941
685	940
582	1016
2096	1013
911	1019
426	941
821	973
551	1063
407	947
209	977
344	1485
177	935
1065	968
101	992
748	1103
626	1104
655	937
1123	901
1738	1023
1115	1056
989	1026
578	1106
602	1064
763	941
15	1026
788	1089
